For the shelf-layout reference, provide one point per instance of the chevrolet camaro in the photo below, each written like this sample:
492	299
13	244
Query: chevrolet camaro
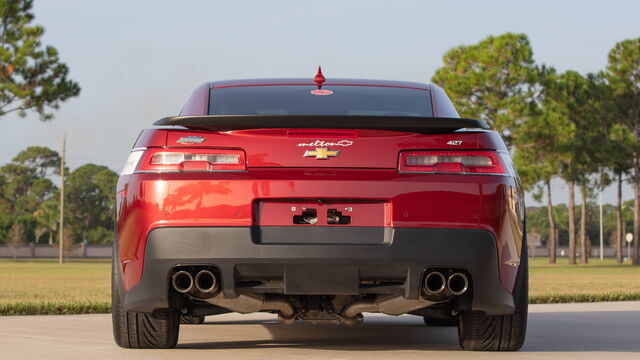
319	200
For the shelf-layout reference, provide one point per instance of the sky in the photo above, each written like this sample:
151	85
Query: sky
137	61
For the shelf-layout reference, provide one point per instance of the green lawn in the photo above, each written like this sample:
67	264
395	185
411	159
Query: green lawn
597	281
46	287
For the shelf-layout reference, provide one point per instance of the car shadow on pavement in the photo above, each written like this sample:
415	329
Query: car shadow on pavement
378	335
547	332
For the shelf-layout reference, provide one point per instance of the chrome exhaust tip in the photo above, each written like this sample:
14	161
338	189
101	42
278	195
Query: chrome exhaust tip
434	283
206	282
182	281
458	283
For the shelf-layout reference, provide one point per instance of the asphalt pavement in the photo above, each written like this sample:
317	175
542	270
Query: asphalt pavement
562	331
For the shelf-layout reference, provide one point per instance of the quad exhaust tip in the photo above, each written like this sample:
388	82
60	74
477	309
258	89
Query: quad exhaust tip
458	283
434	283
182	281
206	282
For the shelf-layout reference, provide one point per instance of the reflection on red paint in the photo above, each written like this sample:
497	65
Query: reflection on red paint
321	92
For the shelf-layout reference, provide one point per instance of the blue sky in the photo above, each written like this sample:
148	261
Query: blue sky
137	61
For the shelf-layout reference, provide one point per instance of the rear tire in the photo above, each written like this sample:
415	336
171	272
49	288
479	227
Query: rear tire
480	332
157	330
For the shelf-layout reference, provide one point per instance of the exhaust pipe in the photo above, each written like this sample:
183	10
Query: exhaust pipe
457	283
182	281
386	304
206	282
250	303
434	283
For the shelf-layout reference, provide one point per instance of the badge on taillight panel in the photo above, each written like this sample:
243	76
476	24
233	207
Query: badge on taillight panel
191	140
321	153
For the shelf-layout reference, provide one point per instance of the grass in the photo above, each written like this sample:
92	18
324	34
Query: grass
78	287
597	281
46	287
54	308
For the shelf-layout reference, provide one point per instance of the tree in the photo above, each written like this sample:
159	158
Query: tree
26	195
620	147
588	102
16	181
623	74
578	131
16	189
41	159
47	217
42	162
91	201
16	238
494	80
32	77
23	189
535	159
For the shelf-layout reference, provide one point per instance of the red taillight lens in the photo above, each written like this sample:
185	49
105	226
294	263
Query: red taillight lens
192	160
457	162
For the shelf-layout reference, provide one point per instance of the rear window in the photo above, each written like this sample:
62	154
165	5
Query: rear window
332	100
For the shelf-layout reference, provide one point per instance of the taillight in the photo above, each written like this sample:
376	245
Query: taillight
456	162
192	160
132	162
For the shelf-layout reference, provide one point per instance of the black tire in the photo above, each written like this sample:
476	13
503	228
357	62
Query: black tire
480	332
440	322
157	330
186	319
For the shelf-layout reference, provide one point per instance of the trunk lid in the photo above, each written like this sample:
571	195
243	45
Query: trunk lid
326	148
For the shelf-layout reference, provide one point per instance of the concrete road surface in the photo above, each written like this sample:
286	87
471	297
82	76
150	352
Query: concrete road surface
565	331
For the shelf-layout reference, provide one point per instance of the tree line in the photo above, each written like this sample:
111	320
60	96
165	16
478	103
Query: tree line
581	128
29	200
538	223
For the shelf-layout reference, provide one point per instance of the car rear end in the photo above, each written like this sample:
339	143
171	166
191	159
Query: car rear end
319	206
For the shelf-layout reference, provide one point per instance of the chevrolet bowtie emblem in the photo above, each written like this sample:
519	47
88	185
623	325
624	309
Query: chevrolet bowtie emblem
321	153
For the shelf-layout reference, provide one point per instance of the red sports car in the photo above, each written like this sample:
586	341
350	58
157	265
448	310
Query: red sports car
319	200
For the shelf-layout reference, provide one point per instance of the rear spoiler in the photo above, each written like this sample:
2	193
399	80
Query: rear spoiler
396	123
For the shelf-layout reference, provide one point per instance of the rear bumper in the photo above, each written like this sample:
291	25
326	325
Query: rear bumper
320	266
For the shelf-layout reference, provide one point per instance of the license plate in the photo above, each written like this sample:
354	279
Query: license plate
323	213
